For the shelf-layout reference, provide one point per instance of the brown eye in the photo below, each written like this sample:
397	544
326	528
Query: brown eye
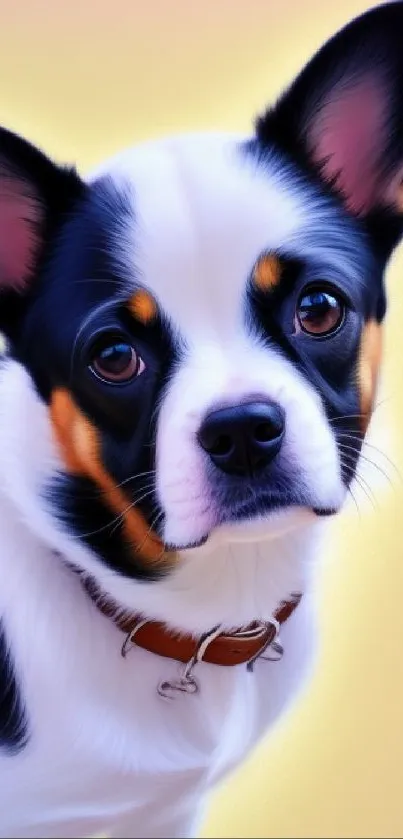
319	312
117	362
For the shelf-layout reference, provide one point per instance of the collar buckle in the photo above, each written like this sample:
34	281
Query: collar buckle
186	682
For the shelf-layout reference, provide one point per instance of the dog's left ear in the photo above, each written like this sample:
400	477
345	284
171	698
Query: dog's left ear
343	115
35	196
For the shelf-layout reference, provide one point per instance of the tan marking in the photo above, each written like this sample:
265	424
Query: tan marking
143	307
369	362
79	443
267	272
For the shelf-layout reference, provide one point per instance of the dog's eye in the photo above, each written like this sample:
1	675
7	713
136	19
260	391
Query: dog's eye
319	312
117	362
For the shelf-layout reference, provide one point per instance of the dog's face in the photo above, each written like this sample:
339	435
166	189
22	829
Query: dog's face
201	320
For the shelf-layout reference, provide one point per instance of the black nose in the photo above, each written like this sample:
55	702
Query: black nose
243	439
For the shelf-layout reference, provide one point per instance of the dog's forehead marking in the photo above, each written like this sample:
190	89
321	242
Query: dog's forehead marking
267	272
142	306
203	212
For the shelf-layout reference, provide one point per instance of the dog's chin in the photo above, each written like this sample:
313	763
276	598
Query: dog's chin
262	528
274	525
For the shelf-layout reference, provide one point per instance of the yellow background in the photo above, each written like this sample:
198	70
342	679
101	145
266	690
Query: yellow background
83	79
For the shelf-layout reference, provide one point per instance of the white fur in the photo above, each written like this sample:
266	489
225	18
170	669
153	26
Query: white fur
202	214
106	752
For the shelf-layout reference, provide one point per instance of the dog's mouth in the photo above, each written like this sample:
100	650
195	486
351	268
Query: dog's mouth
172	547
248	511
325	511
256	506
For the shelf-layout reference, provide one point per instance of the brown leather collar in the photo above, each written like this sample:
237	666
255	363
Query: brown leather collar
243	646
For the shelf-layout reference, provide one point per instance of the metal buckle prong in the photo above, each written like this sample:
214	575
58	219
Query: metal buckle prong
186	683
130	637
272	643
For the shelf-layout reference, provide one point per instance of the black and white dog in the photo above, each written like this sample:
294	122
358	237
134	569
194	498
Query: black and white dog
194	340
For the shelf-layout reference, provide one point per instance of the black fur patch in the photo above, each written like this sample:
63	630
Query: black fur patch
328	363
82	289
84	278
13	718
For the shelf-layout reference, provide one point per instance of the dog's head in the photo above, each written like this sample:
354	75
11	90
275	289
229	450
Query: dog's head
198	326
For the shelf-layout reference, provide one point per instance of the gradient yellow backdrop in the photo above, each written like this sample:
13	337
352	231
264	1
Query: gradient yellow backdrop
83	79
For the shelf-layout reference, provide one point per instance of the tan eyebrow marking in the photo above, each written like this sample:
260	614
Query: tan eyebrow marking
267	272
143	307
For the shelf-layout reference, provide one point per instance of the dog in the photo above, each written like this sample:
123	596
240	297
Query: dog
193	345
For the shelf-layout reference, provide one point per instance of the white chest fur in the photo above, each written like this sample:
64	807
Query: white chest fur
106	753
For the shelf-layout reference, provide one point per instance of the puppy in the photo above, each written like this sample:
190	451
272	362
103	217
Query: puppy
194	337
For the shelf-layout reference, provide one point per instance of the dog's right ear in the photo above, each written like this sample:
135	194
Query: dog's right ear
342	118
35	196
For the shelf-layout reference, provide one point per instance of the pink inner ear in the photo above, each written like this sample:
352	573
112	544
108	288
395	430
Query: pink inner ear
348	134
21	216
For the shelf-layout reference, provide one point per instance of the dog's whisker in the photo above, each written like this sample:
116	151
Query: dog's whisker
149	473
346	417
116	520
99	493
359	416
153	524
360	456
354	438
128	508
351	472
350	491
364	486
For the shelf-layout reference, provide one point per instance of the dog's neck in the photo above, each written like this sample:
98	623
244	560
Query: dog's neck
230	584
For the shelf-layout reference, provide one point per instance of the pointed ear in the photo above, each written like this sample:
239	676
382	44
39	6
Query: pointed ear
34	196
343	115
